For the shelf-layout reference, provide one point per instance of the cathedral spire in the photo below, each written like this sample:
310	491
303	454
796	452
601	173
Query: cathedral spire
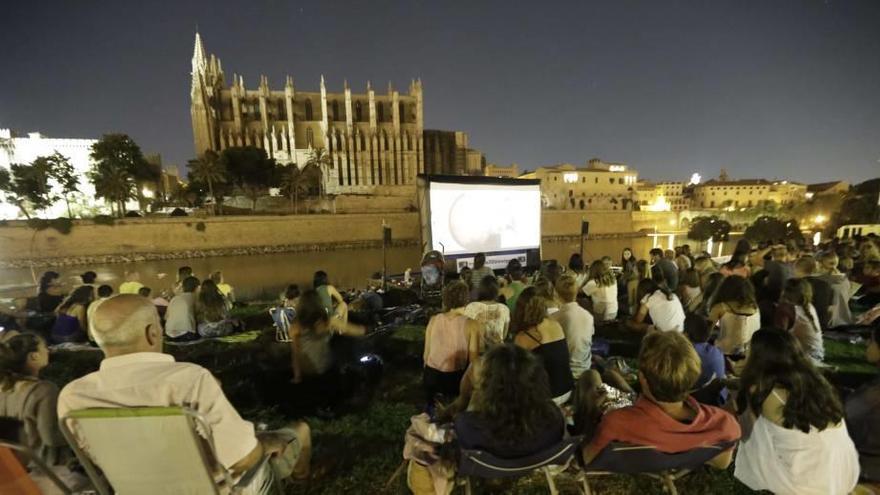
199	58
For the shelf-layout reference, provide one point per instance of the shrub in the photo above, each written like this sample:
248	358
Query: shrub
178	212
201	226
104	220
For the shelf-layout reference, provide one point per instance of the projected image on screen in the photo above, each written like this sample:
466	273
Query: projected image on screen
471	218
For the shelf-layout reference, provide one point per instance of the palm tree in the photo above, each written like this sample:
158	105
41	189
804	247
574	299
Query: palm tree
114	184
321	160
293	181
209	169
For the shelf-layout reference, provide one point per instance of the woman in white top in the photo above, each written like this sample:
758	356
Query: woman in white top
493	316
663	307
735	310
601	287
799	443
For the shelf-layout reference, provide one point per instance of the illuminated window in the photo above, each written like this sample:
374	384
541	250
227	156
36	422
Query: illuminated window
570	177
310	137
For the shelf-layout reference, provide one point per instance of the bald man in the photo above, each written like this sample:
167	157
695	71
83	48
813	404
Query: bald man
135	373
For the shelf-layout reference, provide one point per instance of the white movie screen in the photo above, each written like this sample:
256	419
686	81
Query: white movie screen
473	218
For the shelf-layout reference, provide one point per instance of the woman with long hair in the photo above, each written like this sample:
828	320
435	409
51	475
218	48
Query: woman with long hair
517	316
49	294
545	337
511	413
627	263
642	271
796	314
26	398
799	441
659	303
576	269
71	316
212	311
601	287
735	310
493	316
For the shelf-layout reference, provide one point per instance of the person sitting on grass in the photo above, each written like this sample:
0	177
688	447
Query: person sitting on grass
180	317
796	314
662	306
798	442
212	311
735	309
227	290
577	324
310	336
665	416
71	324
515	286
689	291
104	293
839	313
494	317
480	270
545	337
863	416
601	287
136	373
451	344
132	283
709	388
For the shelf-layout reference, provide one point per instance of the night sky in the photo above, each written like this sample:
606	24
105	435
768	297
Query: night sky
787	89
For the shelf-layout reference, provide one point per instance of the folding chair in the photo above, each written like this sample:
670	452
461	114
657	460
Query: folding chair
281	318
150	450
480	464
624	458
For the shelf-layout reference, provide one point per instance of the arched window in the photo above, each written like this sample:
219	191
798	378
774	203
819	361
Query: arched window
402	109
310	137
380	110
336	110
358	112
309	115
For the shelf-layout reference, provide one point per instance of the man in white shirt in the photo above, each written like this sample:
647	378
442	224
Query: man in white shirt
135	373
180	317
577	324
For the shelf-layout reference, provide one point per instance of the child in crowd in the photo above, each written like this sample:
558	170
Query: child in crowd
665	416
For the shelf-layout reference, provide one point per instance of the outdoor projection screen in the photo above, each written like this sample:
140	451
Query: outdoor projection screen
472	215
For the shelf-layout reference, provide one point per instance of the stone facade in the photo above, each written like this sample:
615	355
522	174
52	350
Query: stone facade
598	186
747	193
447	153
661	196
374	140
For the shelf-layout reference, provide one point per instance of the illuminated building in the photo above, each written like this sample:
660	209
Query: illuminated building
661	196
24	150
447	153
598	186
746	193
510	172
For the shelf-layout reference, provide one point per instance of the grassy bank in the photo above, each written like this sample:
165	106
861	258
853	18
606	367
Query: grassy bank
361	441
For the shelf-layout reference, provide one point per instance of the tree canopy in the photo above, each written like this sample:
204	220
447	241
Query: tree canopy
704	228
118	168
772	229
250	169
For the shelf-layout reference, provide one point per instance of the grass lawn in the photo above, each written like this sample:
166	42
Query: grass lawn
362	443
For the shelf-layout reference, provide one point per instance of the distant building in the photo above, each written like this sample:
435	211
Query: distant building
661	196
25	149
597	186
746	193
827	189
509	172
447	153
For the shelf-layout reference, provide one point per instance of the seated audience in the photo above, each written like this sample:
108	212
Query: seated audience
545	290
709	387
735	310
212	312
132	283
49	294
334	304
545	337
775	261
823	295
665	416
451	343
577	324
23	396
601	287
863	416
799	442
290	296
183	273
180	317
224	288
797	315
576	269
666	267
642	271
135	373
145	292
689	291
104	293
869	294
71	323
480	270
661	305
515	285
493	316
840	289
88	278
510	415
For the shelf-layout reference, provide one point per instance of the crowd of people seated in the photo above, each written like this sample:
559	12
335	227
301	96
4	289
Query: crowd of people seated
732	354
